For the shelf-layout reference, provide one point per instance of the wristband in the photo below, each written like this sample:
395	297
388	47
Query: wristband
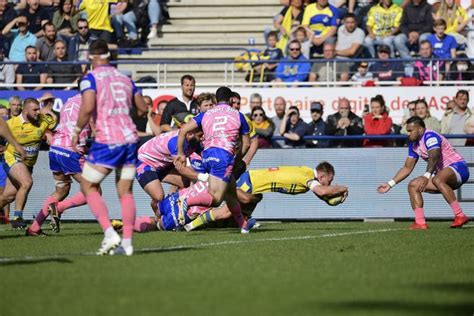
203	177
427	175
391	183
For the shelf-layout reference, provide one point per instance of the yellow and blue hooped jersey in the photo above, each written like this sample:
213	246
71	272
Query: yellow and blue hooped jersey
320	21
286	179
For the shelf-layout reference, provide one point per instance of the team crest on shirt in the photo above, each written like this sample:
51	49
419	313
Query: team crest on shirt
431	141
326	20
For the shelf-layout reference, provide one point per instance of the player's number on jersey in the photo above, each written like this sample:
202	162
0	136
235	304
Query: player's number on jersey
219	124
200	187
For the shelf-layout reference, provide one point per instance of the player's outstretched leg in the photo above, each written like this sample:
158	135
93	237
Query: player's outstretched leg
445	181
417	205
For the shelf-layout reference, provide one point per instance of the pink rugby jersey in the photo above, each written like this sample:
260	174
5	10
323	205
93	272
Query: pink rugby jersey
68	118
114	99
431	140
160	151
192	191
222	126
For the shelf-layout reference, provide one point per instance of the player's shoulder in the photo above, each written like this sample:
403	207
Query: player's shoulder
46	119
432	138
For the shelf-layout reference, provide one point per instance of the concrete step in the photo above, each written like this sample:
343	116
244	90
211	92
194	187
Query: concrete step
215	3
208	39
185	54
212	28
240	12
170	68
219	21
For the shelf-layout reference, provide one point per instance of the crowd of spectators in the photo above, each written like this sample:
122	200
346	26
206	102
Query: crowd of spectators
417	31
62	30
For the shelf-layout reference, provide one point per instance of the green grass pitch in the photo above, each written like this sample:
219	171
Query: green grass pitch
348	268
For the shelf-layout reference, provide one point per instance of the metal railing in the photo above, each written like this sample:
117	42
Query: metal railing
230	78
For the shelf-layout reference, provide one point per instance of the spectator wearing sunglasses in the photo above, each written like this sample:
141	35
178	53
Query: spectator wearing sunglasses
263	127
79	44
295	67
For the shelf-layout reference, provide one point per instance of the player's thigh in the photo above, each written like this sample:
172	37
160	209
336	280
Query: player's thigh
77	177
448	176
155	190
174	178
62	182
217	187
124	179
20	175
247	198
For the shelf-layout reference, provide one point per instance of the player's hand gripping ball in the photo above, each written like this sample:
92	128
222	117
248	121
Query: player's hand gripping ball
336	199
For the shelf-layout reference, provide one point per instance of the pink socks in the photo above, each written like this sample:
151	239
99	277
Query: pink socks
237	214
143	224
99	209
202	199
457	211
128	215
77	199
42	215
420	216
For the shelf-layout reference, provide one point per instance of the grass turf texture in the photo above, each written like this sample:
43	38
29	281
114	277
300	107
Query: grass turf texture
348	268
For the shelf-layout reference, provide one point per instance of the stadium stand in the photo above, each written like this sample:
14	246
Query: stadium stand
222	28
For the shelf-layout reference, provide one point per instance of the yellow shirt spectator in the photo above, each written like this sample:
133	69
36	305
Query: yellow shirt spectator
382	20
29	136
454	17
320	21
98	13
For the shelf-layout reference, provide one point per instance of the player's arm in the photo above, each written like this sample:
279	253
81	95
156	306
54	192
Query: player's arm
434	155
326	191
245	130
180	159
5	133
401	175
246	145
138	99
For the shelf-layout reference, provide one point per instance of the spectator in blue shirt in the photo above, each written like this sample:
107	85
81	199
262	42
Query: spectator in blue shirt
21	38
290	71
444	45
293	129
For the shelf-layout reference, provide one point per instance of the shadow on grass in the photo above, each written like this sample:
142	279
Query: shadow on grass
461	287
25	261
145	251
403	308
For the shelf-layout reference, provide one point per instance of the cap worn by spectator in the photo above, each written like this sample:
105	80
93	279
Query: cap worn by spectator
363	64
316	106
384	48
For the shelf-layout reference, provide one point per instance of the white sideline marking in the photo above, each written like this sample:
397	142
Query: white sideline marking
204	245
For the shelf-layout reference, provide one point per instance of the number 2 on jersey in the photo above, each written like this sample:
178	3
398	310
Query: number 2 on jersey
219	124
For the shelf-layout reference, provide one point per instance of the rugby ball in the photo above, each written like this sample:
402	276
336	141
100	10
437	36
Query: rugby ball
335	199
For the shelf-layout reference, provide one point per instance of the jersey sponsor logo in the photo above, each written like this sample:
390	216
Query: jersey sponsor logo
85	84
431	141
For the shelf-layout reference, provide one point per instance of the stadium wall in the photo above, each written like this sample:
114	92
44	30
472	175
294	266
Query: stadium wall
361	169
396	98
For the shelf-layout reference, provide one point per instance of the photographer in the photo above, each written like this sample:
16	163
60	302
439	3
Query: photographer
294	129
344	122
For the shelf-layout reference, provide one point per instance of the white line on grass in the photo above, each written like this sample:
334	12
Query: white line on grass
204	245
